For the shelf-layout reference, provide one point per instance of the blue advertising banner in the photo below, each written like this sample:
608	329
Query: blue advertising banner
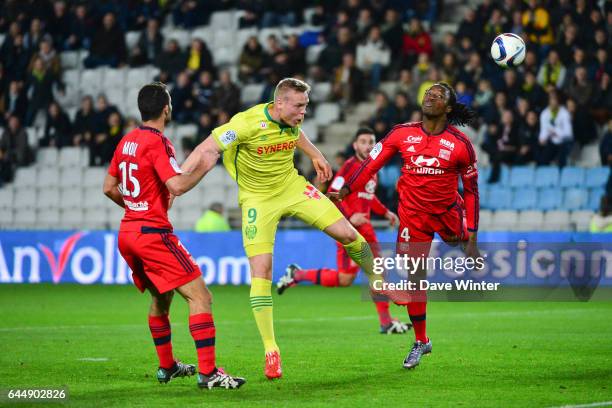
91	257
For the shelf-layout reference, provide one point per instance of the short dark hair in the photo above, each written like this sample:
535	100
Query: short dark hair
363	131
151	100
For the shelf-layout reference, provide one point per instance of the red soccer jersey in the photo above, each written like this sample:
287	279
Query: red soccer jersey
431	168
362	201
143	161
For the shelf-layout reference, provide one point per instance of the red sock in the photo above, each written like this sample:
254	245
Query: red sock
323	276
417	314
382	307
160	330
202	330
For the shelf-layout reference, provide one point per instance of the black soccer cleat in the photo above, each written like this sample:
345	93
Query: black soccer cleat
418	350
218	379
395	327
287	280
179	370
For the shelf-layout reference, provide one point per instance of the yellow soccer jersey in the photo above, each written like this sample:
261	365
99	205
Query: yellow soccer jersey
257	150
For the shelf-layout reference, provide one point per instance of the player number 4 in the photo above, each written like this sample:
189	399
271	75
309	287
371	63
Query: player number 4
128	173
405	234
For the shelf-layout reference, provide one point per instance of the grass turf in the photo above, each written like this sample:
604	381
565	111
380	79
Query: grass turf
484	354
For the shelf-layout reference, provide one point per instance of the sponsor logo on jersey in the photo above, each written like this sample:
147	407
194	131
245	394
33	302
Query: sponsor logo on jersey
367	196
376	151
139	206
278	147
447	144
425	165
263	124
250	231
471	171
337	183
312	192
444	154
228	137
175	165
411	149
413	139
370	187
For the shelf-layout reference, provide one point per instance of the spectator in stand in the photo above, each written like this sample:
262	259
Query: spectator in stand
602	101
84	125
533	92
580	88
403	108
204	92
49	57
472	72
600	65
464	95
250	18
556	135
283	13
531	63
511	86
605	153
421	69
529	132
331	56
183	102
143	12
536	21
80	29
406	84
470	27
114	135
483	96
433	76
102	113
190	13
59	23
6	167
493	27
364	24
602	221
227	95
17	59
199	57
583	125
502	142
449	70
552	72
384	115
171	61
58	129
32	39
14	142
108	45
392	31
213	220
568	44
15	102
149	45
40	88
493	111
205	127
373	56
416	41
579	59
348	86
296	56
251	61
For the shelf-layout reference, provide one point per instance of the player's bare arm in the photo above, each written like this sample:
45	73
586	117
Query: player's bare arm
320	164
200	161
111	190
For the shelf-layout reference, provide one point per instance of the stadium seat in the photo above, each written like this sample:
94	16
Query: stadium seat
49	218
92	81
114	78
312	53
250	94
204	33
575	198
186	131
71	218
47	156
388	175
6	197
24	218
597	177
71	177
71	198
94	218
594	199
188	218
70	157
321	92
483	175
26	177
223	20
524	198
485	220
556	220
223	38
48	198
264	33
93	198
136	78
69	59
572	177
226	56
530	220
581	220
131	39
94	177
183	37
549	198
243	35
505	220
327	113
499	198
546	176
522	176
113	216
589	156
6	218
49	177
311	130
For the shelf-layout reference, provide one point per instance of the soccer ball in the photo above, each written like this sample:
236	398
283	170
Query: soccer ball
508	50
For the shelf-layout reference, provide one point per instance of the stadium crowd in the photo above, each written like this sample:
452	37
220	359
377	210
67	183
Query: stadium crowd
557	101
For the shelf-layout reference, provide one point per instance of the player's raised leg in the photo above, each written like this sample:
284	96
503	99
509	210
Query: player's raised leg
202	328
261	303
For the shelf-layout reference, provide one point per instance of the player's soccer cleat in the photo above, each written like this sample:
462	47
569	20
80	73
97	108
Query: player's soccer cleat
179	370
219	379
395	327
287	280
273	365
418	350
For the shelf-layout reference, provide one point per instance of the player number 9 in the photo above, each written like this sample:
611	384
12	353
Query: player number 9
252	214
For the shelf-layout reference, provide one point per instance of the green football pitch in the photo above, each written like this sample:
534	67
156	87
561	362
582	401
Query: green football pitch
95	341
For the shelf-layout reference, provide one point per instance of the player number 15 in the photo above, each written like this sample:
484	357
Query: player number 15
128	173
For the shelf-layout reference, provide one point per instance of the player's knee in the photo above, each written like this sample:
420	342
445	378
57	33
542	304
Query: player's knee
345	279
349	235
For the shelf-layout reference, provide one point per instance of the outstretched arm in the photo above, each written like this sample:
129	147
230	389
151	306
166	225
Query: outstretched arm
200	161
321	166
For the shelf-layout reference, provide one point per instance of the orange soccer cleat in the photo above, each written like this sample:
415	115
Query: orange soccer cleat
273	365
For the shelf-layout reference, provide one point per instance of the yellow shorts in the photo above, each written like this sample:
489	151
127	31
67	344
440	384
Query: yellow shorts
261	213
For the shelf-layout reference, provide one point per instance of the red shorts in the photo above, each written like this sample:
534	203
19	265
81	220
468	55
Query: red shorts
157	259
343	262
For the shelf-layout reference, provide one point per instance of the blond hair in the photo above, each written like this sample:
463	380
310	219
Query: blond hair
290	83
